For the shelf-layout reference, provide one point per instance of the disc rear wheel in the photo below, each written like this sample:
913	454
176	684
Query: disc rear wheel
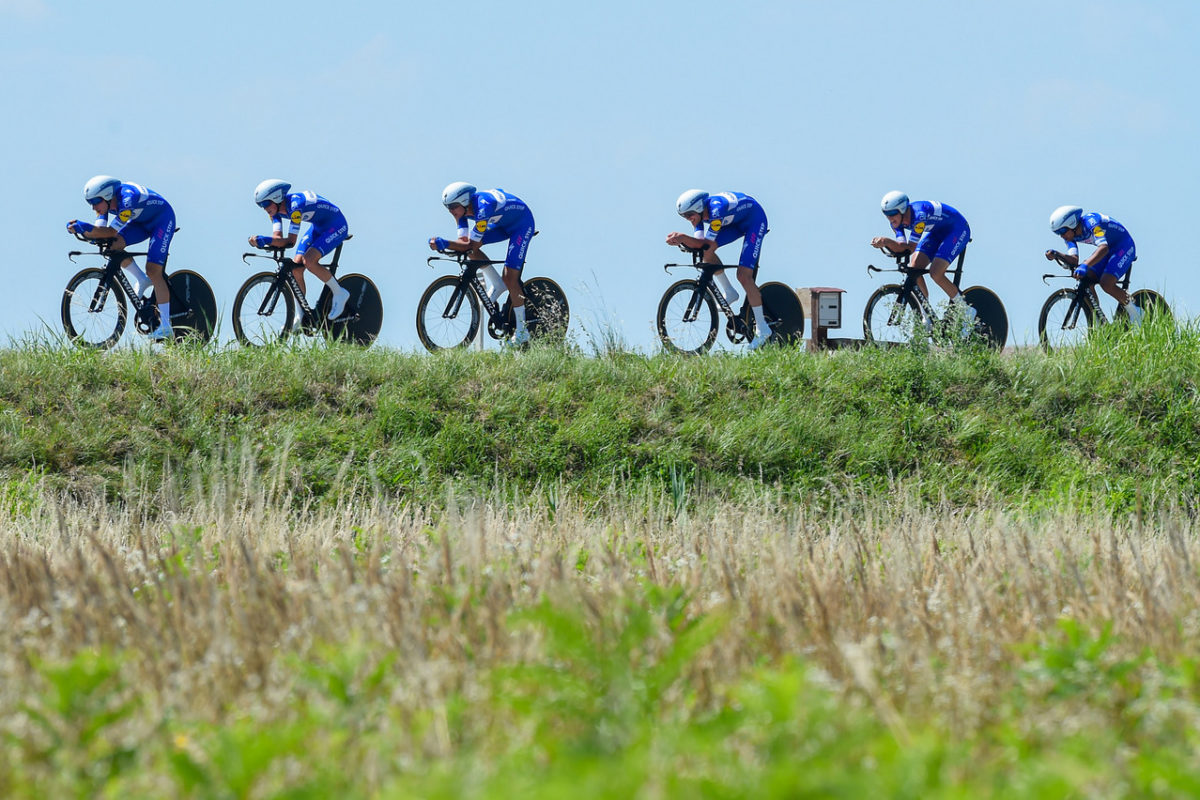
193	306
783	313
547	312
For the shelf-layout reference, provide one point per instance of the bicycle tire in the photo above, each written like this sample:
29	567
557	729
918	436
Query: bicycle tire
547	314
257	330
446	296
1150	301
1053	321
991	320
672	323
783	312
196	314
885	321
364	309
85	327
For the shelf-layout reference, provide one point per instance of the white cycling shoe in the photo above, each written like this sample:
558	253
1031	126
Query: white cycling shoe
519	339
162	333
758	341
339	303
1136	315
968	321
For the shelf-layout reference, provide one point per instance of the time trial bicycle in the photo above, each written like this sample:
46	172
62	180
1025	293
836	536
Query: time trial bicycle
1068	314
265	308
687	313
901	312
95	302
448	313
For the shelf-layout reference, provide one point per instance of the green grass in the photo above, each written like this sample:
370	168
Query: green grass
1114	423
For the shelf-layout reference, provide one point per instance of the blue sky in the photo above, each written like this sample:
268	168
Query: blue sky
599	115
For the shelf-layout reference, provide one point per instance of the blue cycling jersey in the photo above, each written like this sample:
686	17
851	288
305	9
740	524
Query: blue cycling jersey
928	219
135	203
729	210
1101	230
308	207
498	214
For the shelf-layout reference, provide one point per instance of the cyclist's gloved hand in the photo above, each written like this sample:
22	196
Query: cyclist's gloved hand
80	227
440	244
1081	271
261	242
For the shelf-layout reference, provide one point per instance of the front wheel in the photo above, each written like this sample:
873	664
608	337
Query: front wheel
1065	320
991	320
687	318
93	310
263	311
363	317
193	306
547	312
442	321
887	320
783	313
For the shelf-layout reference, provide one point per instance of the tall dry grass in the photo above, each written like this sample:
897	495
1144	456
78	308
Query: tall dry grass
225	606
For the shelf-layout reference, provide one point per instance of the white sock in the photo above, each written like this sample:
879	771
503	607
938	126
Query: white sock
143	280
495	283
333	285
519	313
164	313
726	286
761	321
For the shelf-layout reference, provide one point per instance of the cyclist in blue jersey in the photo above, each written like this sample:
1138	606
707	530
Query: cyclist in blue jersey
730	216
1114	254
937	232
327	228
140	215
485	216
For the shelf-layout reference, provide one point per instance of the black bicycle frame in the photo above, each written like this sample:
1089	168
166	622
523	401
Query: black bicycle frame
910	288
1085	295
469	279
285	278
704	284
113	273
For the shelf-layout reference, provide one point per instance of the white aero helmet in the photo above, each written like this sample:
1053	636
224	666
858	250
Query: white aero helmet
457	193
101	187
691	201
1065	218
272	190
894	203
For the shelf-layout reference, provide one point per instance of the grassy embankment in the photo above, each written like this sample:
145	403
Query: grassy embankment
366	574
1104	424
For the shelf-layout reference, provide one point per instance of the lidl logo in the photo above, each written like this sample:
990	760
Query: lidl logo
1098	231
481	226
715	225
296	217
125	215
919	228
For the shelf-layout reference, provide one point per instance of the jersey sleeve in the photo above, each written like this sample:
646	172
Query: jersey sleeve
277	226
464	227
296	204
1072	248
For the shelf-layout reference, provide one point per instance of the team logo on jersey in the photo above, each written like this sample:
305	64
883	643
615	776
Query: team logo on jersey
481	226
1098	231
715	225
296	217
919	228
125	215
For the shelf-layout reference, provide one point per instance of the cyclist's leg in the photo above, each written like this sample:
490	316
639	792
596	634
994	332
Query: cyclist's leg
1113	268
514	262
156	256
748	261
948	248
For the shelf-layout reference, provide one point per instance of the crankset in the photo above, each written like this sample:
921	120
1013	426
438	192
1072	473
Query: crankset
737	330
146	319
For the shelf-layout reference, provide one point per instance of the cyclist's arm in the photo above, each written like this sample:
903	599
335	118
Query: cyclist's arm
1069	259
892	245
1098	256
694	242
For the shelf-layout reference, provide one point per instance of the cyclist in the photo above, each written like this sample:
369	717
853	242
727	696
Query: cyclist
730	216
326	230
484	217
1114	255
140	215
939	233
